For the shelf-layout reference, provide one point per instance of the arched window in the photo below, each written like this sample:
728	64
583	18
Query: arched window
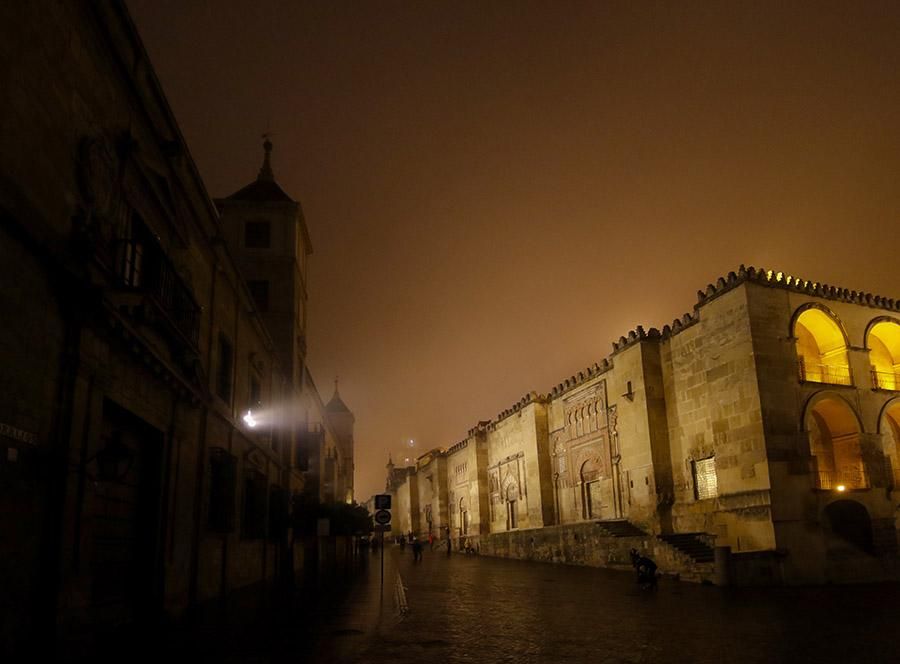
821	348
883	342
835	444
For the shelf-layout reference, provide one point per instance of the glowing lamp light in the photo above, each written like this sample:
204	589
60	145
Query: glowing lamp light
411	442
841	488
249	420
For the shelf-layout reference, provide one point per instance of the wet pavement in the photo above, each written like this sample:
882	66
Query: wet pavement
479	609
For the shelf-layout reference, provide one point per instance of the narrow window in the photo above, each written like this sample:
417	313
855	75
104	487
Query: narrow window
705	482
257	235
222	484
224	368
253	519
259	289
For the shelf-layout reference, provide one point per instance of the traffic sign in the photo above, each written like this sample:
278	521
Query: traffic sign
383	501
382	517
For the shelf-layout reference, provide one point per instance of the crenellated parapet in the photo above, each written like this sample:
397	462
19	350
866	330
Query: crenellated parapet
678	325
634	336
480	429
531	397
784	281
456	447
581	377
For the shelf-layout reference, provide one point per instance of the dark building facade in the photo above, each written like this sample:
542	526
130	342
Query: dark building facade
156	419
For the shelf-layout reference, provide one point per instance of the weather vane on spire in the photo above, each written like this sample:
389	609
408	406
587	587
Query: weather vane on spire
265	173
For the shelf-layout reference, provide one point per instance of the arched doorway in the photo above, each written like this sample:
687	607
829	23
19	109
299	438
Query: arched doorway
463	516
849	521
821	348
834	441
590	489
512	502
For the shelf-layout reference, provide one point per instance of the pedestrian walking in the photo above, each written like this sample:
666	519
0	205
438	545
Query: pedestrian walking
417	549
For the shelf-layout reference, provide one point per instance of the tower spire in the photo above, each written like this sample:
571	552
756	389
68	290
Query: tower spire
265	172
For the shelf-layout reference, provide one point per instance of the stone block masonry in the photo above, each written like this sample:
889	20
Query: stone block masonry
765	425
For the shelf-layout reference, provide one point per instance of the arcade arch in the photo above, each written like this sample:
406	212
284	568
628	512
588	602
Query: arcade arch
890	437
821	347
883	342
834	441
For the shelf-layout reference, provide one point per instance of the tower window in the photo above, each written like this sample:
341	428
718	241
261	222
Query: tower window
257	235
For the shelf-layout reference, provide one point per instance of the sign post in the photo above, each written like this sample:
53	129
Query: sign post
383	519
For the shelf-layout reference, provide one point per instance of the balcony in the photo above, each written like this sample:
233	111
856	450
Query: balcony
307	444
886	380
831	374
850	478
143	268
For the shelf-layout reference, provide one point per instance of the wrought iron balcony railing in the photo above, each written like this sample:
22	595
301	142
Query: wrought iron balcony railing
832	374
142	267
886	380
848	478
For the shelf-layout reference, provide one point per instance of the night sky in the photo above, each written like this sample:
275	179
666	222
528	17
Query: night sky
496	191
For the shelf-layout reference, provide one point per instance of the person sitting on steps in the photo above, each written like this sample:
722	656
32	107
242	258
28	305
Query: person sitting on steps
645	568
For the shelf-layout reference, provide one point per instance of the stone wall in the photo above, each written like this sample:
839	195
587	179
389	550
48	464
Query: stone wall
585	544
713	411
704	428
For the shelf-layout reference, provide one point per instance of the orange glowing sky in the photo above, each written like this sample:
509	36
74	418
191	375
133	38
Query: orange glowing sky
497	190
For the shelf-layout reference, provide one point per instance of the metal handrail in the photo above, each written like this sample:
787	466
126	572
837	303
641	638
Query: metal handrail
886	380
832	374
849	478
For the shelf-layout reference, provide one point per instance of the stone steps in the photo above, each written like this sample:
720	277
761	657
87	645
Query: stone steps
620	528
690	545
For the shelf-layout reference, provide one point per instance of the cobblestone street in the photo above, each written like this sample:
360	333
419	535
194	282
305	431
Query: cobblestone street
479	609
